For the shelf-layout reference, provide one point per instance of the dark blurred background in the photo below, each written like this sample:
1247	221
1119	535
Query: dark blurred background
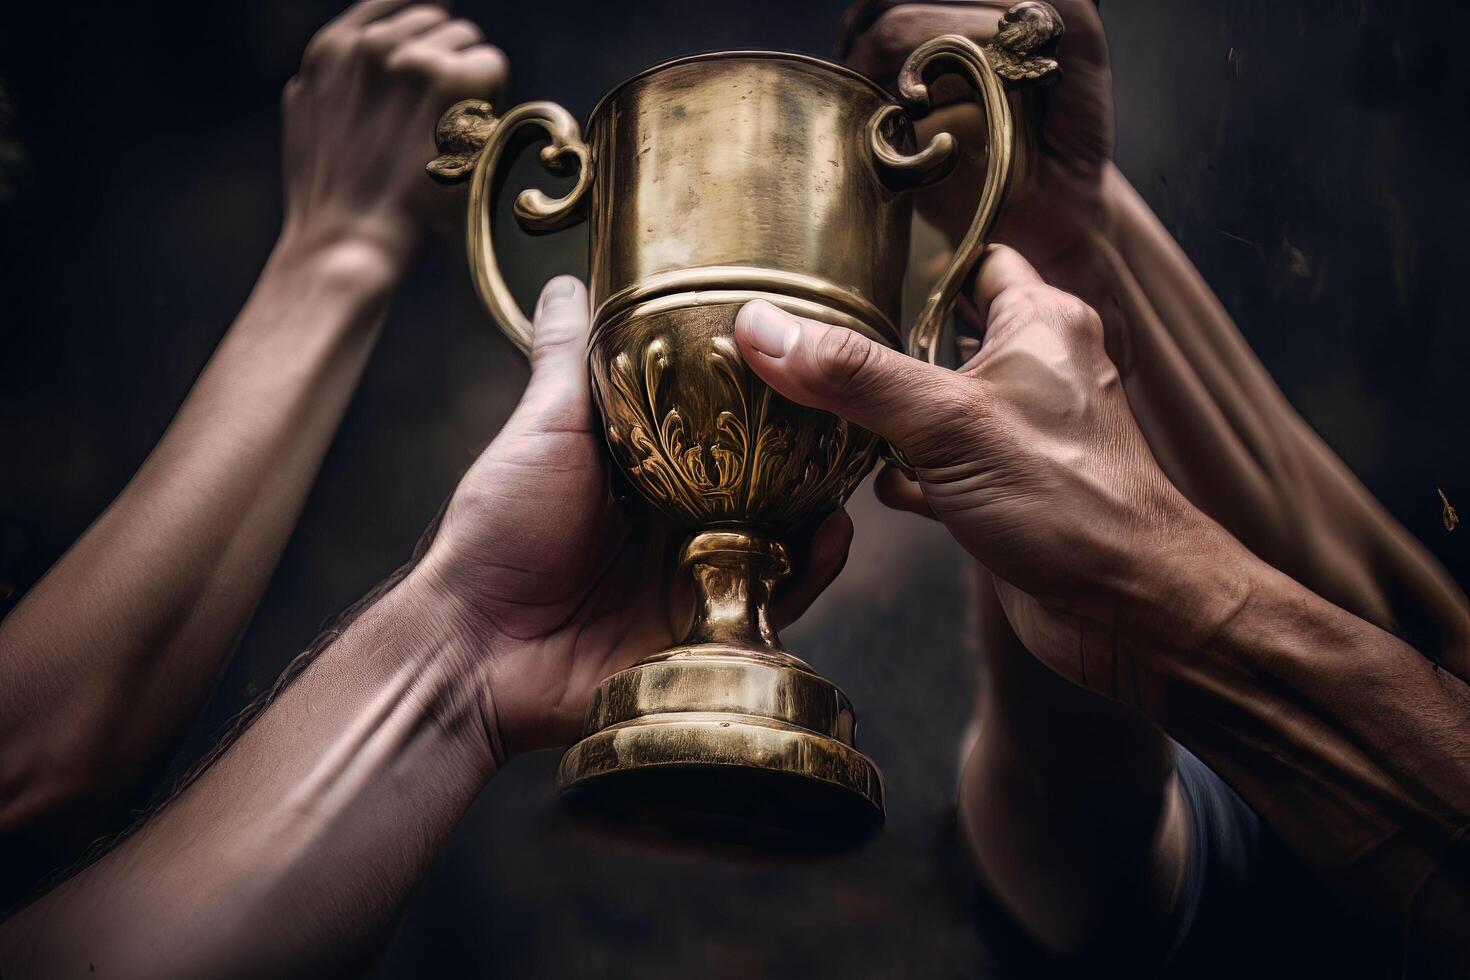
1310	156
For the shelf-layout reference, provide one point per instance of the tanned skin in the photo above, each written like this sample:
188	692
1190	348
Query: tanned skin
292	852
1069	799
107	660
1352	745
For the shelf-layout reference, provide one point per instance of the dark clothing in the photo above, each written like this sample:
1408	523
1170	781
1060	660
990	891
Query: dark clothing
1251	911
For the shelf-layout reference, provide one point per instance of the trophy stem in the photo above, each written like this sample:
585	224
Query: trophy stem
725	734
735	571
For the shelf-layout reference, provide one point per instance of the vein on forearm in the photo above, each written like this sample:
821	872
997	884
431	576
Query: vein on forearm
248	715
300	841
1351	745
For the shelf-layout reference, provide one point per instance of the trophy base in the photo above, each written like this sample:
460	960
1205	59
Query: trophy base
718	742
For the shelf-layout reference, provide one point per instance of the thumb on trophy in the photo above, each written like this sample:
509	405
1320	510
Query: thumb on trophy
558	395
560	323
908	402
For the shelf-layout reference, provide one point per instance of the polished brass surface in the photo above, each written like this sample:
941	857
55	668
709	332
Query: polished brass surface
708	182
702	437
1024	42
745	163
472	121
730	697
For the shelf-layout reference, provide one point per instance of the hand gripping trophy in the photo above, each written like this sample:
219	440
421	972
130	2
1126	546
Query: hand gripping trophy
707	182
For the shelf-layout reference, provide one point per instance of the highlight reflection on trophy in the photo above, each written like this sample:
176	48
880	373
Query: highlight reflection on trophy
710	181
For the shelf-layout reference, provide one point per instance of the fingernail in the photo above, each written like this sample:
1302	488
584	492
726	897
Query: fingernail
771	331
562	287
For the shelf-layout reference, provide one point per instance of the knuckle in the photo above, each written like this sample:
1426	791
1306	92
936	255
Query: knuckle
413	61
952	409
1091	322
480	72
1037	295
330	44
377	40
1001	252
427	14
844	358
1038	302
1076	317
1013	303
497	64
955	402
469	29
892	33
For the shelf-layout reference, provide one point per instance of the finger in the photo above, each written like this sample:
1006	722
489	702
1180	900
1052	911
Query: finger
1012	296
382	36
339	37
837	370
897	491
561	321
368	11
454	35
558	396
825	558
1002	269
1084	45
880	51
479	72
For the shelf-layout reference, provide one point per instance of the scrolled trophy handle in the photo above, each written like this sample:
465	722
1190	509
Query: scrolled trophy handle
472	141
1016	56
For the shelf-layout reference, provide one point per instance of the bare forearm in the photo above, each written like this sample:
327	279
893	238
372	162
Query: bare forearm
1350	744
291	854
1068	800
108	658
1227	437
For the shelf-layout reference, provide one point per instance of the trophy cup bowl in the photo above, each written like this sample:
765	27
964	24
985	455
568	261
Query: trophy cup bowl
707	182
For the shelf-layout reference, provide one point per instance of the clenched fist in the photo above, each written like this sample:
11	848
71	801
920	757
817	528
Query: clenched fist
1058	197
359	120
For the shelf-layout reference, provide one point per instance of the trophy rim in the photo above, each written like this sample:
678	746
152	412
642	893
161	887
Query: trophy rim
739	54
800	294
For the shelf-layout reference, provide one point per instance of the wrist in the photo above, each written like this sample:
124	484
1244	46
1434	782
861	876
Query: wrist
345	262
1188	589
457	654
472	636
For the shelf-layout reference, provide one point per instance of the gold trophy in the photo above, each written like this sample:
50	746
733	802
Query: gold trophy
710	181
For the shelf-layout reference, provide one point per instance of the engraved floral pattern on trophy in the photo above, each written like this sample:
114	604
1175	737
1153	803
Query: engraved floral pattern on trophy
705	440
707	182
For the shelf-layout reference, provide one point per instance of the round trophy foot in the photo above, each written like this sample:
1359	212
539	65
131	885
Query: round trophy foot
727	736
726	777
